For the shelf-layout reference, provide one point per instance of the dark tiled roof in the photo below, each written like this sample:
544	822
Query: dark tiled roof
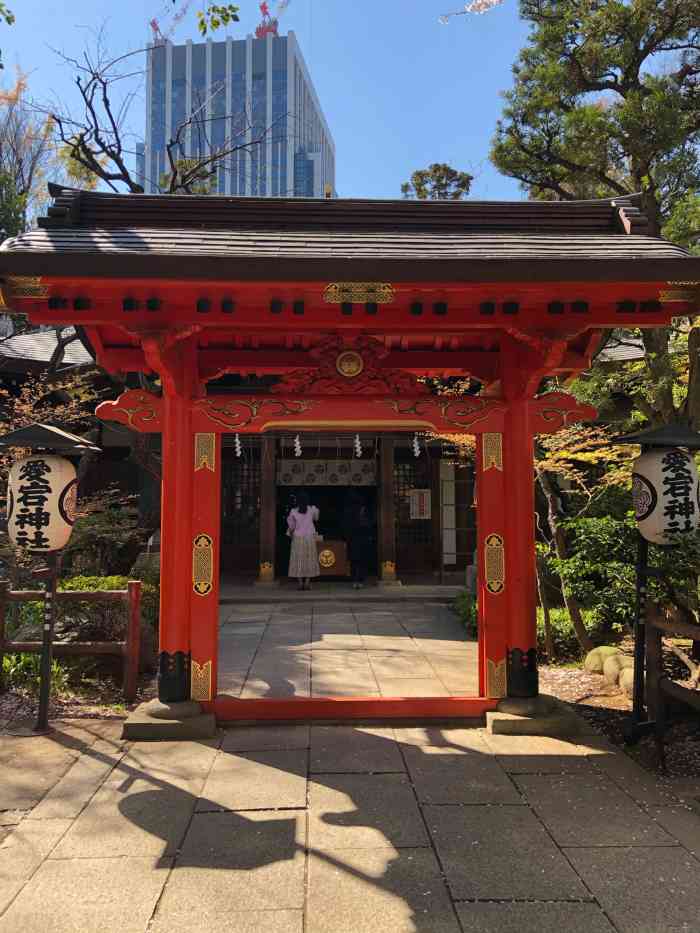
38	346
305	239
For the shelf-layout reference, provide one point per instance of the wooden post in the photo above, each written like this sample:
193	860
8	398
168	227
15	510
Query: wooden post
205	550
492	579
176	550
436	514
133	639
268	510
387	513
654	665
520	551
4	587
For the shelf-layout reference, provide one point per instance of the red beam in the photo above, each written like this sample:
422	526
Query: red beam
232	709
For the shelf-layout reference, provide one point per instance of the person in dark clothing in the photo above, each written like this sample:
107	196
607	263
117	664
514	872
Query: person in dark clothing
358	527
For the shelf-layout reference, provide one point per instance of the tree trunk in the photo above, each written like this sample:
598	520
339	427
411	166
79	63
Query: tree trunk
553	515
544	602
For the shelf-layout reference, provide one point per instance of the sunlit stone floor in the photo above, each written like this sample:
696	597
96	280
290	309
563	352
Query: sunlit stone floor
337	650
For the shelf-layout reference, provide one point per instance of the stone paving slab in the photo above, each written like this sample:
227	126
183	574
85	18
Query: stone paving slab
491	853
134	820
23	851
261	738
399	664
388	890
531	754
412	687
252	921
71	794
83	895
29	767
168	764
364	811
643	890
683	823
590	812
449	776
349	749
261	780
533	918
237	861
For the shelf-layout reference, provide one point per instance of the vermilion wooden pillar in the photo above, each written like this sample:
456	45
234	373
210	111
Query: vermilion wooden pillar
176	550
205	547
492	582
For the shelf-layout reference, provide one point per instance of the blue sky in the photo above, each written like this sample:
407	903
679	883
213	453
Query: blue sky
398	89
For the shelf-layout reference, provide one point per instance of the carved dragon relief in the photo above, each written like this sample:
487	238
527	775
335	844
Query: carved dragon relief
237	414
462	412
556	410
139	410
350	368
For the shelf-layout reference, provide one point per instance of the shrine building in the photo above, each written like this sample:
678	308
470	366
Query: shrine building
342	346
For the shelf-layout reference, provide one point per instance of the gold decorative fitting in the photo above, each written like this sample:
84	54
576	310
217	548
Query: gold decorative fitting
686	294
267	572
27	286
494	564
203	565
388	570
495	678
200	681
326	558
337	293
493	451
349	364
205	452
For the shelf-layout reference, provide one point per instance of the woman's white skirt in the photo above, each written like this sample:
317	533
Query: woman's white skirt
303	560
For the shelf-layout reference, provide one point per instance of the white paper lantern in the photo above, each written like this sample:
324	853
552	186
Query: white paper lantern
41	500
665	493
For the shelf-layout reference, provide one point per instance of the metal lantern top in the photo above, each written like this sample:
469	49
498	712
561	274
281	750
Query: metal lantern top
670	435
47	437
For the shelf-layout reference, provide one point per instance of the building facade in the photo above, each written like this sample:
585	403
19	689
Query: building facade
250	93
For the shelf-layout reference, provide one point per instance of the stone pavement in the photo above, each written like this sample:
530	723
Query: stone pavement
338	829
345	649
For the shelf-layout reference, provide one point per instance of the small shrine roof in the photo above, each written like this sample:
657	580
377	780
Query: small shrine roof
303	239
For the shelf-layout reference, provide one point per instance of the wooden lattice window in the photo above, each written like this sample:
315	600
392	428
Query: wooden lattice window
410	475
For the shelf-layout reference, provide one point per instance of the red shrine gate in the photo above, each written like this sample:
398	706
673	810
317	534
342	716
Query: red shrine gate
194	288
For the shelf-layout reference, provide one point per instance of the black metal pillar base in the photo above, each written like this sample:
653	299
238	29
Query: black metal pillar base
173	677
522	678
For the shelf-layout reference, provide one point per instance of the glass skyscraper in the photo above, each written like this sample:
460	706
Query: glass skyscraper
250	92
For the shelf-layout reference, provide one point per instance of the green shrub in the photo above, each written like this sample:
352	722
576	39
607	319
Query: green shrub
23	672
566	646
465	608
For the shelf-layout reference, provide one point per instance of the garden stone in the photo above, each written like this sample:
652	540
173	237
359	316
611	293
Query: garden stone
596	658
627	680
614	665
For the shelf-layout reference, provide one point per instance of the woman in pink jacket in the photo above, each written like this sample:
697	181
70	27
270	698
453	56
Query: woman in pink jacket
303	560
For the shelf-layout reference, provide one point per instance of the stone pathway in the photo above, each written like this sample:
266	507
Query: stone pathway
338	649
340	829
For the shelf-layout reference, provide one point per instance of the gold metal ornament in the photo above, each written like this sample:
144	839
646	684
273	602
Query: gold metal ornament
388	570
494	564
495	678
205	452
26	286
203	565
200	681
349	364
492	451
381	293
267	572
326	558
